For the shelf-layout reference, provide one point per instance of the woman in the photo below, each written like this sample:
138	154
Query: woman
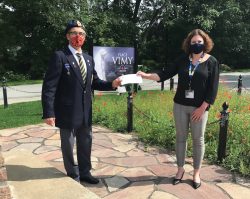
198	78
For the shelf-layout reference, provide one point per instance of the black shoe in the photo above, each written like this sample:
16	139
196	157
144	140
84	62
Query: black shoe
89	179
196	185
177	181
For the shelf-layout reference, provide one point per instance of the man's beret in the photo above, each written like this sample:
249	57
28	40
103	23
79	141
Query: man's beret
72	24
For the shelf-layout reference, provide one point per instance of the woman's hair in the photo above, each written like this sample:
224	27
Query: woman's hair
208	42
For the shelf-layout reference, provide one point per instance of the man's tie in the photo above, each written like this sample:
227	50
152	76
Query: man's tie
82	66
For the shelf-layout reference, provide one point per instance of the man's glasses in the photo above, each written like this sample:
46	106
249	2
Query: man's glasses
78	33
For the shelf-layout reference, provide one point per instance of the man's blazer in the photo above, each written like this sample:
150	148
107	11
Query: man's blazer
64	94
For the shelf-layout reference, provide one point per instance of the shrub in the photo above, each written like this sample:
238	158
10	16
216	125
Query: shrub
11	76
225	68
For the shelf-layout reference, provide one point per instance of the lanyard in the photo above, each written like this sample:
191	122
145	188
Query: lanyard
196	65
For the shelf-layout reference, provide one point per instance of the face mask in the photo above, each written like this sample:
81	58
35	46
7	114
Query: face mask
77	41
196	48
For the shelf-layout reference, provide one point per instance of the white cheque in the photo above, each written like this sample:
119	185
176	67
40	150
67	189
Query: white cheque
131	79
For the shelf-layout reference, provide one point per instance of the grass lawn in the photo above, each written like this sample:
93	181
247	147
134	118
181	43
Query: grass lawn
20	114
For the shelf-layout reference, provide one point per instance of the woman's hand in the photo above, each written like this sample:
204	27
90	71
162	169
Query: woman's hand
151	76
142	74
198	113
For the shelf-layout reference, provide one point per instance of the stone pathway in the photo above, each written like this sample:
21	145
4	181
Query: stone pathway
126	169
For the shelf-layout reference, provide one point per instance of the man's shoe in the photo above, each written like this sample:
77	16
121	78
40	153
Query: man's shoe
89	179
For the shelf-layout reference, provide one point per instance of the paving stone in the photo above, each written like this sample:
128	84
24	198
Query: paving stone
138	174
53	143
118	140
104	143
51	155
215	173
12	137
163	170
137	152
107	153
42	133
9	145
58	160
99	129
30	140
45	149
161	194
126	136
97	147
108	171
93	158
188	168
137	190
152	150
33	130
242	181
94	164
124	148
115	183
100	136
165	158
130	161
9	132
59	166
99	189
235	191
47	127
26	147
1	159
98	165
55	137
206	191
3	174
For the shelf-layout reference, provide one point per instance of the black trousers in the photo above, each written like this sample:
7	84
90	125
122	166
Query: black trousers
83	138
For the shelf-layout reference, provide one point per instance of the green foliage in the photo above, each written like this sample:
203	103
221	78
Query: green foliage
11	76
153	123
31	30
225	68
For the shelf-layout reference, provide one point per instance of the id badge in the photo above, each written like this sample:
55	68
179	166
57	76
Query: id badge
189	94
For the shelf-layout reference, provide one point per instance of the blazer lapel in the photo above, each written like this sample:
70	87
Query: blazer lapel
74	65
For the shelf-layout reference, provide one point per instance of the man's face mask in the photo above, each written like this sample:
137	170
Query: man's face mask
77	40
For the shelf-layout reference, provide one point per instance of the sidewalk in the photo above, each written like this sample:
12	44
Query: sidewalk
126	169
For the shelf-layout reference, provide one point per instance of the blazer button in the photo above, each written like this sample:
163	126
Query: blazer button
84	92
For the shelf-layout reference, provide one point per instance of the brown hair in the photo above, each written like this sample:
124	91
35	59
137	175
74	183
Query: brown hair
208	42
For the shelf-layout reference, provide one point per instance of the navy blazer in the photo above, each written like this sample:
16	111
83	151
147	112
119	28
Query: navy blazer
64	94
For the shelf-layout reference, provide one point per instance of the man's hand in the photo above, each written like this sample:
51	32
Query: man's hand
50	121
116	82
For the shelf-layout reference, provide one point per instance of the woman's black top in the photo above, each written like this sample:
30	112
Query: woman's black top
204	82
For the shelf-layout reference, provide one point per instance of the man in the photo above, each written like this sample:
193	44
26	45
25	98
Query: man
67	101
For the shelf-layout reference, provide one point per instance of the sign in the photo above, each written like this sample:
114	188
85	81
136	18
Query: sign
112	62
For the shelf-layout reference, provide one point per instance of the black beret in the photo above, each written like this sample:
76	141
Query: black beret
72	24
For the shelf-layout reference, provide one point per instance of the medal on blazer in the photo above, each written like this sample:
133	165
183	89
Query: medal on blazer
67	66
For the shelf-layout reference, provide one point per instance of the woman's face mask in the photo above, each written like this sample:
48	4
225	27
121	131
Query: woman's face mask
197	44
196	48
